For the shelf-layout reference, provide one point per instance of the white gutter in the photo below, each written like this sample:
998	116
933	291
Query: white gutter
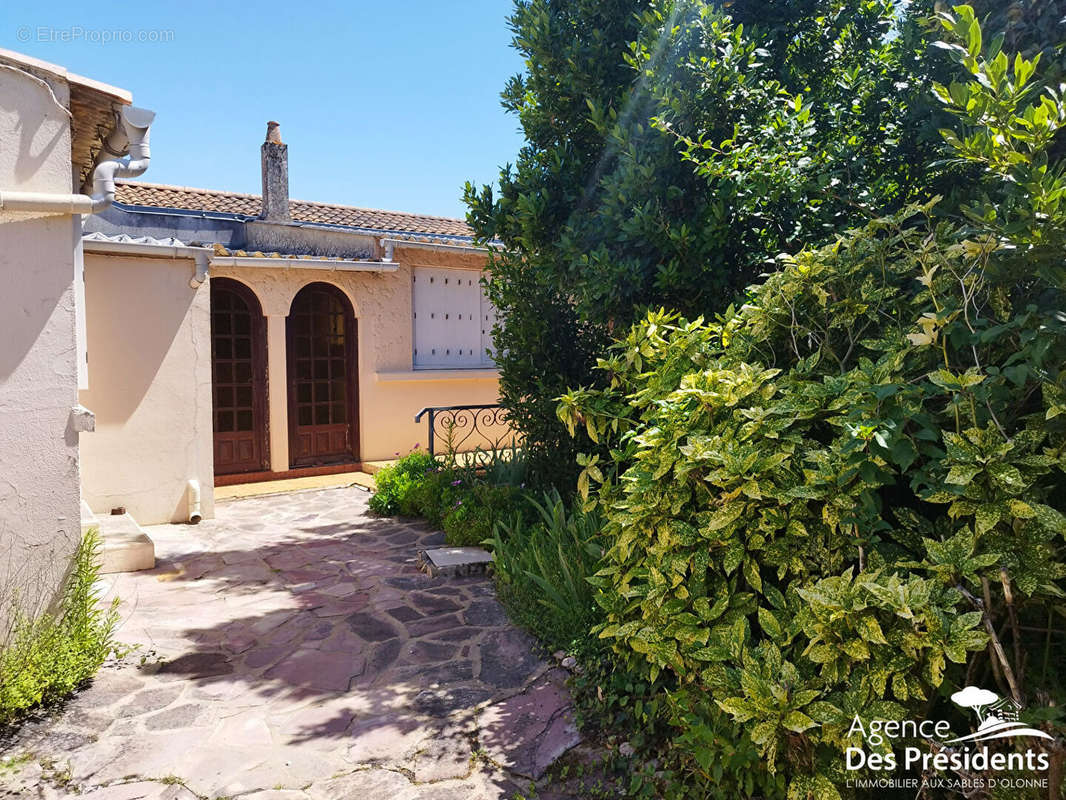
199	254
389	245
129	136
331	264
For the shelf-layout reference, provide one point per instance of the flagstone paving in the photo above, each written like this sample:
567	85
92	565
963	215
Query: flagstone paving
292	650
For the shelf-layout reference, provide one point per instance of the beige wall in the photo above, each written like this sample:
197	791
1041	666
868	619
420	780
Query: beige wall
149	351
390	392
39	506
396	398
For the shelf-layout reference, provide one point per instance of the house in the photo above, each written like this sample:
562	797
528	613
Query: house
159	339
59	132
234	338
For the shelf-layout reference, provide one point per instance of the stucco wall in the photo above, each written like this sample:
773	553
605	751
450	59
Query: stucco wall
149	351
390	392
149	364
39	505
396	398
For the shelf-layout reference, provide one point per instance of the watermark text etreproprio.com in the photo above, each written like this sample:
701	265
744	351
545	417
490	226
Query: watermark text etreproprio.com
78	33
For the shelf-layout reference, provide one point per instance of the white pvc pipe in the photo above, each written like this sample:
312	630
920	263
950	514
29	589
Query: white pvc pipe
129	136
193	492
52	203
197	280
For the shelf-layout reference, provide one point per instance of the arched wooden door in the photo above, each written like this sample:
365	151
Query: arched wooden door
323	376
238	374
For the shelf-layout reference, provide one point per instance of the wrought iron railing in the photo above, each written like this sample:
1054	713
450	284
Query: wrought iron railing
459	429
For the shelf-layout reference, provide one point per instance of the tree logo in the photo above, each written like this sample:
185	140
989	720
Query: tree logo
997	717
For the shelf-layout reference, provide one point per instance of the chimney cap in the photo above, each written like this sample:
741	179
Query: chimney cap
273	134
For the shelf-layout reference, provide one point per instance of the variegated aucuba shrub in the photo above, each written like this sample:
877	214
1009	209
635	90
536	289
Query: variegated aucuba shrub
844	498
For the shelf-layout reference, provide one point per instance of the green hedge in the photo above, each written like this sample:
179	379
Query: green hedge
397	484
845	498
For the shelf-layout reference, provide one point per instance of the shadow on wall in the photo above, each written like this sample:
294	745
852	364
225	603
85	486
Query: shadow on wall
32	248
31	586
33	153
136	310
149	352
29	303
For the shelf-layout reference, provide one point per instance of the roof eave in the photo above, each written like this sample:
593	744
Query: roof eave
447	247
282	262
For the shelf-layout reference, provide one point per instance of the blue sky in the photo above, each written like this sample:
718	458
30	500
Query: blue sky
390	105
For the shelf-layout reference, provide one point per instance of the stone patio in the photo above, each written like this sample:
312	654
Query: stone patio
290	649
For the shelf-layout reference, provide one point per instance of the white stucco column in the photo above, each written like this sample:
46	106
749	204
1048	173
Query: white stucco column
277	392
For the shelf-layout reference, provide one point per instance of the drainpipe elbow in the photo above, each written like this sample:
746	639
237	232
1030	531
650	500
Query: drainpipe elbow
130	137
387	245
198	279
104	185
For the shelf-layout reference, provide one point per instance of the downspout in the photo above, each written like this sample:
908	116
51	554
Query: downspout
388	245
129	137
193	491
197	280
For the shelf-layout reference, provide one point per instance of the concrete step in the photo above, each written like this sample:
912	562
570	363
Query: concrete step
88	518
125	547
454	561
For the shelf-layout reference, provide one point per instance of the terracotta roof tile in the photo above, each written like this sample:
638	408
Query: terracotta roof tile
181	197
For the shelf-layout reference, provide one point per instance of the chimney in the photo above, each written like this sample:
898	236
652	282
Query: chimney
275	176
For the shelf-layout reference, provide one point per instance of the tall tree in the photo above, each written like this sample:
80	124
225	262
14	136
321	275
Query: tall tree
574	53
673	148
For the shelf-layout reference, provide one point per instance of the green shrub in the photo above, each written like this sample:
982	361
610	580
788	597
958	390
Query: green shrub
396	483
542	566
503	467
616	704
468	524
845	499
434	495
476	508
49	657
464	497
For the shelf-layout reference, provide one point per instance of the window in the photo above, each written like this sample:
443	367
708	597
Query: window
452	318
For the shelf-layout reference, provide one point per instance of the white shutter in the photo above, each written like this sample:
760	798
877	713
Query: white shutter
448	312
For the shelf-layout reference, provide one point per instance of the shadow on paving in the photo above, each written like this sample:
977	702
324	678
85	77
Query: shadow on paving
298	630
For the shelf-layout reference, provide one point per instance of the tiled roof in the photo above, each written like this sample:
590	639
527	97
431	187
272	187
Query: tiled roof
155	195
